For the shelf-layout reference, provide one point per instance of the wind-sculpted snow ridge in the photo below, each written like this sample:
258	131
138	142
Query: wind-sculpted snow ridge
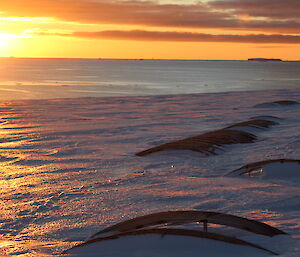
275	168
277	103
159	224
207	143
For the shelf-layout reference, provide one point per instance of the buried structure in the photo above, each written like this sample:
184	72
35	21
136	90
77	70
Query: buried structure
275	168
208	143
277	103
189	232
158	234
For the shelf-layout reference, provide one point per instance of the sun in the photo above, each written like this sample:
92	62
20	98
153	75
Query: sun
6	42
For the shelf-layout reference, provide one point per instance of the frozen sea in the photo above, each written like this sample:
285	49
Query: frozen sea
70	130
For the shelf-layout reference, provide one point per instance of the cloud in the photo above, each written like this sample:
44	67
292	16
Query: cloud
275	9
215	14
112	12
142	35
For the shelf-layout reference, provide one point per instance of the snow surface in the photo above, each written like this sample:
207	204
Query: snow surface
68	167
174	246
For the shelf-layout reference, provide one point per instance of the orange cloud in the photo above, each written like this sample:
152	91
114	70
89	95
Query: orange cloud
278	9
217	14
142	35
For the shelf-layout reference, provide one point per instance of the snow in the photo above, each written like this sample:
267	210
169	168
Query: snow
168	245
68	170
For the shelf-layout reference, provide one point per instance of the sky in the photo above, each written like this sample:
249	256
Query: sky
166	29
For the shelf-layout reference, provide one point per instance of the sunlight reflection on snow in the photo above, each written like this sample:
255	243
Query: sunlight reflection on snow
68	166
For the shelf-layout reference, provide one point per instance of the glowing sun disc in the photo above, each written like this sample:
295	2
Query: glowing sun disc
6	41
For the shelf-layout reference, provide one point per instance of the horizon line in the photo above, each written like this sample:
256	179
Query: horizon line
138	59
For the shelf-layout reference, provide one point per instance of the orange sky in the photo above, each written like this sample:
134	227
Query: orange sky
211	29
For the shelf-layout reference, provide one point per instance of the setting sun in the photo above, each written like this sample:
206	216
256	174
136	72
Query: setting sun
7	41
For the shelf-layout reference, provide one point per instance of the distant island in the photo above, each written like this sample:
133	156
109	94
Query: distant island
264	60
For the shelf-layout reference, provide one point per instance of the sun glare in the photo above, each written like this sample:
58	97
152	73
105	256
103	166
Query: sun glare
6	41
